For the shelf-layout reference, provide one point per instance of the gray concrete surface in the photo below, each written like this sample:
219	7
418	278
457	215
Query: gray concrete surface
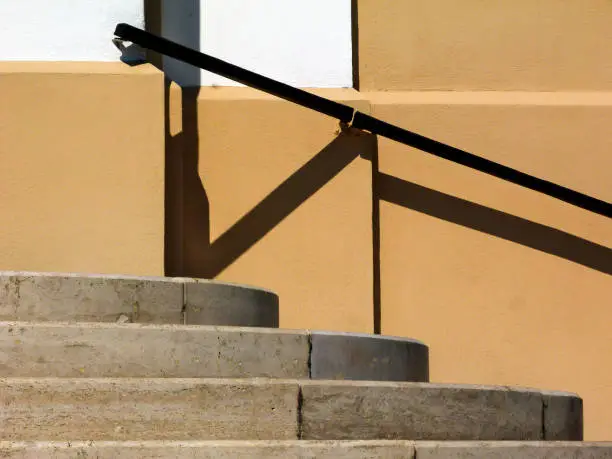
306	449
213	303
352	356
513	450
563	416
100	298
94	350
147	409
211	450
413	411
150	351
264	409
68	297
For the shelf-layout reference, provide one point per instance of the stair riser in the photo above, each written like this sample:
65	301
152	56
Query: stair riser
523	451
219	450
168	409
124	410
308	449
80	298
420	413
151	351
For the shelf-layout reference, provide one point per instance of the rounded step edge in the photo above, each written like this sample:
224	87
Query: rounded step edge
125	409
66	297
221	303
356	356
382	449
95	350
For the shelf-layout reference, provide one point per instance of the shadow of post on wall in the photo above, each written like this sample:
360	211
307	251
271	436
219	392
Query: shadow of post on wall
208	259
187	209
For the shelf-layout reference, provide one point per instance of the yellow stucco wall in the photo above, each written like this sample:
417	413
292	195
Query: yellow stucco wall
507	286
543	45
274	197
81	168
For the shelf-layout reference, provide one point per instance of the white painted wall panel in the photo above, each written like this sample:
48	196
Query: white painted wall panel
305	43
64	30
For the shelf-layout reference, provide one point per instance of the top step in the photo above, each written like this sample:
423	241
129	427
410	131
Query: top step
28	296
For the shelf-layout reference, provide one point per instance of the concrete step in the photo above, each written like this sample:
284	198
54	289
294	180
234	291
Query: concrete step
96	350
307	449
28	296
262	409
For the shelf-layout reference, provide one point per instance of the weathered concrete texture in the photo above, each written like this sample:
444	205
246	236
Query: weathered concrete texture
212	303
263	409
71	297
306	449
147	409
417	411
150	351
94	350
96	298
368	357
513	450
563	416
211	450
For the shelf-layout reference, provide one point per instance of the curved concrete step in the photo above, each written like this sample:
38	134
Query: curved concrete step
95	298
152	351
261	409
306	449
354	356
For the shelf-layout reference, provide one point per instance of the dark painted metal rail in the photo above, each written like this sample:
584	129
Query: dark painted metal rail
358	120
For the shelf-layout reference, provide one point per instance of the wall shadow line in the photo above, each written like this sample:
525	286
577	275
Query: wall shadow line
215	257
495	223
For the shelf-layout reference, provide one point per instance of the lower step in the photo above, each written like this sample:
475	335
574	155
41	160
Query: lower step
267	409
307	449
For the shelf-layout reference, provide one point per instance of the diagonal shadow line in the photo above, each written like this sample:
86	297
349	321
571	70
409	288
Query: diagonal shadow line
494	222
281	202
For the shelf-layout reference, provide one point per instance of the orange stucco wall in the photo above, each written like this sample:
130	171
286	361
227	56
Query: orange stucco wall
502	45
273	196
507	286
81	168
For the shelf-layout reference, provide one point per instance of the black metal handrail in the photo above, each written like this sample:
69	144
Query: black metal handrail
358	120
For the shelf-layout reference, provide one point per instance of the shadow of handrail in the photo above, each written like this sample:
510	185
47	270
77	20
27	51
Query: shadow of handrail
495	223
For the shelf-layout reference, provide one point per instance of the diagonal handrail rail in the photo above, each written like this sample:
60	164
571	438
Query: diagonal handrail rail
358	120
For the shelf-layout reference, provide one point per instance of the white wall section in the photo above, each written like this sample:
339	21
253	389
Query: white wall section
305	43
64	30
